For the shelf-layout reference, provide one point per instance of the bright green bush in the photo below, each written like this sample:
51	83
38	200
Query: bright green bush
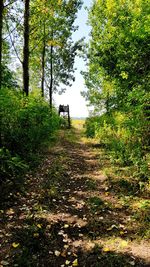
122	134
26	123
94	124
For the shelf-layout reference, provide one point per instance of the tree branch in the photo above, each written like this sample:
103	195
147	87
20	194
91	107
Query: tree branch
12	42
10	3
10	32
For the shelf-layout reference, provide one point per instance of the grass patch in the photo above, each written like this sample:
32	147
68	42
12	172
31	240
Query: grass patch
91	184
96	204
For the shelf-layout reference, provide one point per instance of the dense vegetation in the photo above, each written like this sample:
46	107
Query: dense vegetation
36	59
118	81
26	125
68	200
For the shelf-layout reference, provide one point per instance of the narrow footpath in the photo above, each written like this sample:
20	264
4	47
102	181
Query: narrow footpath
65	215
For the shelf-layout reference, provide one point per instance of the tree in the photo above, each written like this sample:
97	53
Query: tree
53	43
118	47
1	28
118	74
44	30
26	48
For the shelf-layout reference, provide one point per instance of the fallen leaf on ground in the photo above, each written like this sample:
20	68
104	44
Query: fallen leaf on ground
112	227
39	226
121	233
10	212
75	262
63	254
57	253
124	244
106	249
36	234
4	263
15	245
66	246
66	226
132	263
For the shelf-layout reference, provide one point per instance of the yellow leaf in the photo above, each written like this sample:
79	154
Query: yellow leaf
66	226
39	226
106	249
36	234
121	233
15	245
124	243
67	262
66	246
10	212
75	263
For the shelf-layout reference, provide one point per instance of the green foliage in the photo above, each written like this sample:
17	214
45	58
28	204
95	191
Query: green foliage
118	80
96	203
8	79
94	123
141	213
11	166
122	134
90	126
56	20
91	184
64	122
26	123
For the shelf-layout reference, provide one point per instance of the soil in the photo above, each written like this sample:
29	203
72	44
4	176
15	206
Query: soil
65	215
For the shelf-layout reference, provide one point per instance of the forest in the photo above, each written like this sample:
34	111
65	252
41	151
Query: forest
74	196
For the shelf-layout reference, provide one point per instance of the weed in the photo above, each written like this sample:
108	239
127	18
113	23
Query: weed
91	184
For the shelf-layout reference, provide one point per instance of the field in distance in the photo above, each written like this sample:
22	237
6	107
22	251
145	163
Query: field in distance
78	122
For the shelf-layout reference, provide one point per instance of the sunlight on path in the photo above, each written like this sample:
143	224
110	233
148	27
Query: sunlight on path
67	217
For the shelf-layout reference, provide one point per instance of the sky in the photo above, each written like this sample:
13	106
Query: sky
72	96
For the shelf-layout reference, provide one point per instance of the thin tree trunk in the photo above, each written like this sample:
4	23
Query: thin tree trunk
1	28
107	103
43	64
51	77
26	49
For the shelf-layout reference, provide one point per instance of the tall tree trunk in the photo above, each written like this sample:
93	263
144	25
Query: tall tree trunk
26	49
1	28
51	77
43	64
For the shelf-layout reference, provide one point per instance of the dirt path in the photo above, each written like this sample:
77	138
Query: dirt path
66	216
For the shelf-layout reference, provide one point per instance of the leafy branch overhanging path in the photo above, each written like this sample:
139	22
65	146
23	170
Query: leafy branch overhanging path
66	215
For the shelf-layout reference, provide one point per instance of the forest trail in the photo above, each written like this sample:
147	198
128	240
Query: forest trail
66	216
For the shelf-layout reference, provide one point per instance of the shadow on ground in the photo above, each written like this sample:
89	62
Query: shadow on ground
67	216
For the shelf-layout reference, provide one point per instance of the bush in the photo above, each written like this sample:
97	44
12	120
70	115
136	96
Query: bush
11	166
26	125
122	135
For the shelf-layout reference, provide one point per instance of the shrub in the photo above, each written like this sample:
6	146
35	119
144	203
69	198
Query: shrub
11	166
26	125
91	124
122	135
